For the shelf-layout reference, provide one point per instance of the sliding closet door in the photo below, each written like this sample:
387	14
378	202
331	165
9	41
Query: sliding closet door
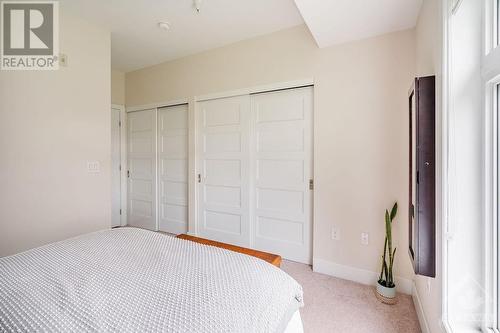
282	171
172	168
142	169
223	159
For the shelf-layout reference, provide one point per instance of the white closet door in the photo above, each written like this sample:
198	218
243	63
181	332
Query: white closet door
142	169
173	168
223	159
282	168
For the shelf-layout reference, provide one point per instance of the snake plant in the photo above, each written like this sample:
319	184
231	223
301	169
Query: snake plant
386	278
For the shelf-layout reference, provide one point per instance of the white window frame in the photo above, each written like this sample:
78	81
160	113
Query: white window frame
491	80
490	71
446	7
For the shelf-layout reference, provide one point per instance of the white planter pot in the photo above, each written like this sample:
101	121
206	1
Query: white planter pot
386	292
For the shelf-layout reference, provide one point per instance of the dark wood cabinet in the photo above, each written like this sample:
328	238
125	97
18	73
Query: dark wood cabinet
422	176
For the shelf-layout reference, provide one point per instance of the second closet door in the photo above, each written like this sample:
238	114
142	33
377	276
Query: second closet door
142	169
255	162
173	169
224	170
282	173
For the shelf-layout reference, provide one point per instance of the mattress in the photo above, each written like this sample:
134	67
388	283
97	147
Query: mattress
133	280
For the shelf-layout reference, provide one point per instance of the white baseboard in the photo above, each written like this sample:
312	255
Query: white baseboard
424	326
359	275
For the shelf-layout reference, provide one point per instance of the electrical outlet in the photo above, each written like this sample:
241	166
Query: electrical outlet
428	285
365	238
335	233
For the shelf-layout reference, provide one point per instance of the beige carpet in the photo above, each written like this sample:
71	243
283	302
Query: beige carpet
335	305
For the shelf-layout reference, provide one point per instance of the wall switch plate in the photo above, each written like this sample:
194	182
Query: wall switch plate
335	233
365	238
93	166
428	285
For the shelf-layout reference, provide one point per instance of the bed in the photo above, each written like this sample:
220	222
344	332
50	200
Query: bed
133	280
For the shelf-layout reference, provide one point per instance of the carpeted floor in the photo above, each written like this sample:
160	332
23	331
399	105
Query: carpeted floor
334	305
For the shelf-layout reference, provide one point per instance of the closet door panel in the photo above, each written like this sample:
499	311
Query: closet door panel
172	173
224	170
282	164
142	169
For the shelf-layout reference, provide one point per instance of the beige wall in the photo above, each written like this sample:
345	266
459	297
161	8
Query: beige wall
428	62
360	126
51	124
117	87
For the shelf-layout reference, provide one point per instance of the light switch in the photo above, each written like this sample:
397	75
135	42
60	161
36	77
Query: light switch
93	167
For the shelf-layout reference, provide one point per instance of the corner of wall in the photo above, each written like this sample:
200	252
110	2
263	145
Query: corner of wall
403	285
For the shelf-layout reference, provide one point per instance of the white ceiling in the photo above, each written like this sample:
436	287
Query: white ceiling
338	21
137	42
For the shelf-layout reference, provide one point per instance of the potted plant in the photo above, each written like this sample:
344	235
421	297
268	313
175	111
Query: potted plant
386	288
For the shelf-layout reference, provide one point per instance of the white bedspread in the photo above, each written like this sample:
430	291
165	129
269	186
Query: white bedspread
132	280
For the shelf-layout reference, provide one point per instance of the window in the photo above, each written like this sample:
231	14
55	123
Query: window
495	255
496	23
471	173
491	83
492	317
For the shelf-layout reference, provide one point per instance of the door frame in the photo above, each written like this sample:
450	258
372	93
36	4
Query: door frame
194	163
123	162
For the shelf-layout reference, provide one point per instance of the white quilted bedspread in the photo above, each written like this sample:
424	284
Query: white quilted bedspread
132	280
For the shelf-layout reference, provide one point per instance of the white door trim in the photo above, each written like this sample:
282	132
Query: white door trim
256	89
123	161
157	105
